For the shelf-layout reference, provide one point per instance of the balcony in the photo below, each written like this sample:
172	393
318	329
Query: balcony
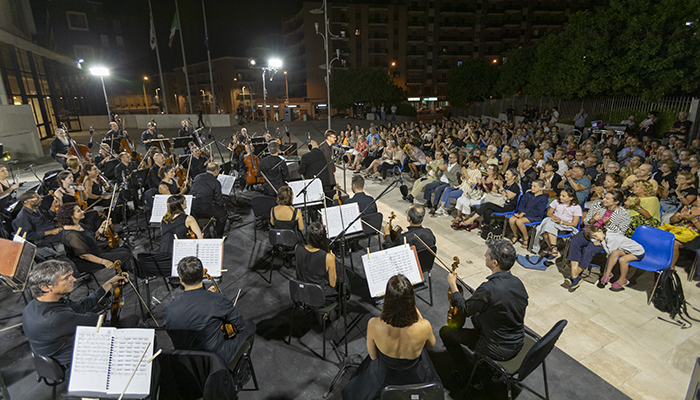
378	51
415	54
414	67
416	23
378	35
415	38
378	20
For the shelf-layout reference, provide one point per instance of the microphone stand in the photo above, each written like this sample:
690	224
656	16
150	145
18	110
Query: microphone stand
347	362
31	168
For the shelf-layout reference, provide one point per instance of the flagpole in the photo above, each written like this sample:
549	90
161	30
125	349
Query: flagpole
184	60
160	70
211	75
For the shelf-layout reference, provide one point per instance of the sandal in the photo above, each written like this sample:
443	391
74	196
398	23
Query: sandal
525	244
514	240
553	253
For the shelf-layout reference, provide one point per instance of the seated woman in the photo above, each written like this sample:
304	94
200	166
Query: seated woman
682	193
508	192
531	208
284	215
356	155
376	149
93	187
563	215
685	226
315	263
550	177
176	223
644	206
631	168
168	184
386	156
81	243
620	249
609	214
612	181
75	167
396	345
468	193
6	188
69	192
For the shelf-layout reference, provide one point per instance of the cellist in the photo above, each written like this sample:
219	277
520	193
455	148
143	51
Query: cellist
497	309
113	136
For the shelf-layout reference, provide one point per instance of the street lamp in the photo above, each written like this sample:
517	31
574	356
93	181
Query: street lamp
102	72
272	66
286	85
326	36
145	101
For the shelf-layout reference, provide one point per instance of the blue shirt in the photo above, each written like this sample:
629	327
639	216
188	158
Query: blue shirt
625	154
581	195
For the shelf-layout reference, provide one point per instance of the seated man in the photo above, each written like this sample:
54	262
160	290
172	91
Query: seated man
497	310
40	229
414	216
644	173
208	200
576	180
50	319
362	199
59	147
194	319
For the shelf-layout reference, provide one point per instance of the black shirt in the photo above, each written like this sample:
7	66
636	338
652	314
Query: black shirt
311	165
497	308
328	153
122	171
425	234
193	320
146	135
153	179
34	223
276	171
363	200
198	166
206	190
50	326
57	147
185	132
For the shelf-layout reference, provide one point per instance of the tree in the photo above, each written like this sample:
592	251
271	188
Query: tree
473	80
363	85
515	71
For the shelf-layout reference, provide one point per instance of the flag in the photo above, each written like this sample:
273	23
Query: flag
153	34
175	26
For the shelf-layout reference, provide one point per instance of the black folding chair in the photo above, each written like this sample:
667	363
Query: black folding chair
262	205
282	241
426	259
422	391
50	371
153	265
309	296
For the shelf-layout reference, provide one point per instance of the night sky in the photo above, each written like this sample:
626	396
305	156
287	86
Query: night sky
236	28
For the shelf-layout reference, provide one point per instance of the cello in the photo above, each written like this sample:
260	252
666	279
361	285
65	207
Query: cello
228	329
127	144
78	150
252	162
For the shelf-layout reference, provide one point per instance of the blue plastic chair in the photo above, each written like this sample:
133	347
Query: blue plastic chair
508	214
658	251
567	237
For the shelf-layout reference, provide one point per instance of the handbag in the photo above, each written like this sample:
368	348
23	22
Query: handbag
494	198
682	233
533	262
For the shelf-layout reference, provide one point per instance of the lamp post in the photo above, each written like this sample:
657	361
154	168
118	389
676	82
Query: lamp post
102	72
272	66
286	85
145	101
327	35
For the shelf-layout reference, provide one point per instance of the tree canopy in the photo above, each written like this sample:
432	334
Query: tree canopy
363	85
474	80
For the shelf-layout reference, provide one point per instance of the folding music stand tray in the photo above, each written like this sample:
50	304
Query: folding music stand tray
181	142
16	260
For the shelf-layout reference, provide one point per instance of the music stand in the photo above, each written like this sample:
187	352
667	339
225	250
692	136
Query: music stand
108	168
182	142
16	260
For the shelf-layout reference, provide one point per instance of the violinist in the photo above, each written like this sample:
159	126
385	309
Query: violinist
168	184
497	310
149	134
198	161
275	169
49	321
6	188
414	216
193	320
75	167
187	130
93	187
154	178
125	168
81	243
176	223
104	155
40	229
208	200
59	147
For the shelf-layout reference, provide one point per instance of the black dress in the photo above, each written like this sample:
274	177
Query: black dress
373	375
172	187
311	268
176	226
77	243
288	224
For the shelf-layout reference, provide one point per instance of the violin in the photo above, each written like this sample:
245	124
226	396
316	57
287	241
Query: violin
104	182
55	209
81	198
394	232
228	329
192	235
252	163
112	237
337	194
453	320
117	299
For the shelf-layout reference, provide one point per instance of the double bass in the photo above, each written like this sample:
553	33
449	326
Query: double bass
228	329
79	150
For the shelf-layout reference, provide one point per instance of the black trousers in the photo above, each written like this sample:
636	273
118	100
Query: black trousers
123	255
464	359
218	212
489	208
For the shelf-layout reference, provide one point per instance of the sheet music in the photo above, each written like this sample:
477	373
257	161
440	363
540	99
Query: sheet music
209	251
226	183
338	217
103	361
314	192
382	265
160	207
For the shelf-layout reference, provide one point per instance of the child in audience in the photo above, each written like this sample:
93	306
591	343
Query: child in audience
620	249
564	214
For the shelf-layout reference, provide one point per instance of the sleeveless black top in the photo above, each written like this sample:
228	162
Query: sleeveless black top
311	268
286	224
176	226
172	187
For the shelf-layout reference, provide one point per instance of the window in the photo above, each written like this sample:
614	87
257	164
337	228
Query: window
77	21
101	24
117	26
120	41
105	40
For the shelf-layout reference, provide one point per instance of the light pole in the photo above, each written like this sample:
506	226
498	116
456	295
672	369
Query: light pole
145	101
326	37
286	85
102	72
272	66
